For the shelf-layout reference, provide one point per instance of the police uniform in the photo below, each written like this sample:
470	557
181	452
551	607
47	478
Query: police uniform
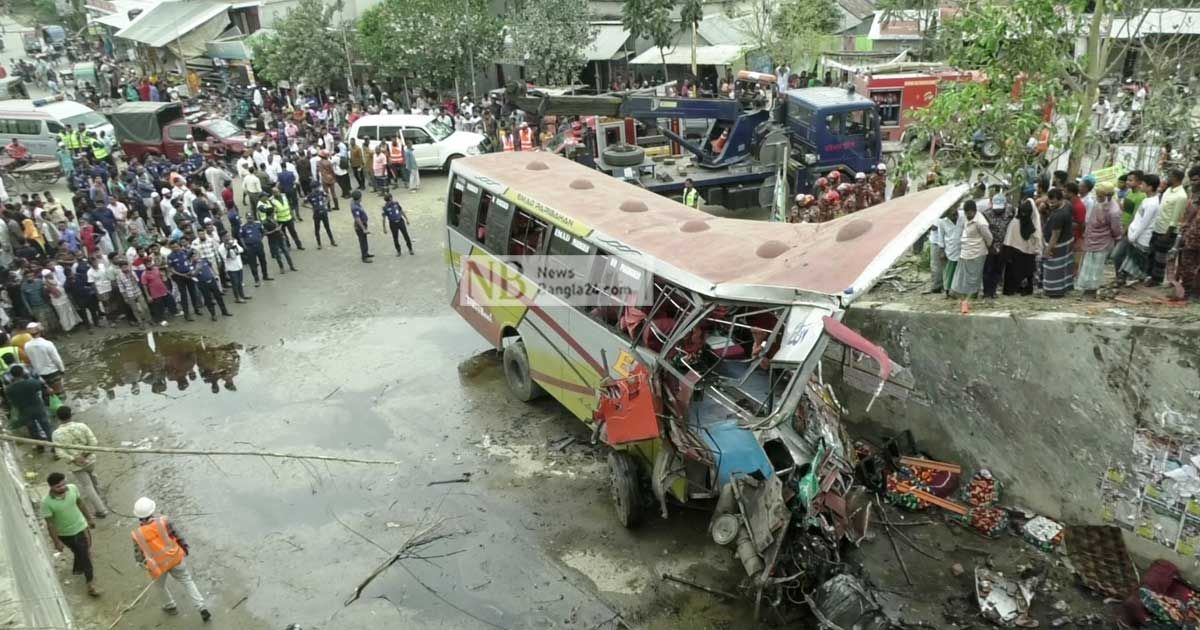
360	218
320	214
182	269
278	244
287	223
398	222
251	236
691	197
206	279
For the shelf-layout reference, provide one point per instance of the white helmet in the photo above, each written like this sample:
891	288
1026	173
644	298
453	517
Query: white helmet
881	167
144	507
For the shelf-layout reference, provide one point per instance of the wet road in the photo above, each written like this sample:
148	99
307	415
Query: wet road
355	360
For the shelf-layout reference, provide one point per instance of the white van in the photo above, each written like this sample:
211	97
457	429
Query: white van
37	123
434	145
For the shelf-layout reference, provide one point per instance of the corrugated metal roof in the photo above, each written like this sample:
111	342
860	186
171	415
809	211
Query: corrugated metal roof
723	30
1158	22
682	55
607	44
168	21
861	9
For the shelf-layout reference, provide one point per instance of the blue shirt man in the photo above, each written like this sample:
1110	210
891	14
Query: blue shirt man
319	204
105	216
101	171
180	261
70	239
287	181
360	225
204	270
252	235
394	213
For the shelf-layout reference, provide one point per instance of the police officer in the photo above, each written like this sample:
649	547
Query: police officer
360	225
76	140
263	207
206	280
398	222
278	244
183	273
282	211
99	148
251	234
320	214
691	196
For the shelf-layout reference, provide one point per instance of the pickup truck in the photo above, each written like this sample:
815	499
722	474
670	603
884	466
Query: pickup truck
145	128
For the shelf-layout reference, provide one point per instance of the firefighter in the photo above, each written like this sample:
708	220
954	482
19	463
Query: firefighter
822	187
878	184
862	193
526	137
849	202
827	206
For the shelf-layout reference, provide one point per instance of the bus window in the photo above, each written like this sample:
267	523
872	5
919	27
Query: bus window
499	219
571	254
852	123
481	224
468	214
454	206
526	235
611	279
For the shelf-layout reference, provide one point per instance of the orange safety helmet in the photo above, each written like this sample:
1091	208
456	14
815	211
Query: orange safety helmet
822	182
835	176
832	196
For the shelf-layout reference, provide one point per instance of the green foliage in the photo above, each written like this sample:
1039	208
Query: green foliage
433	41
800	29
1021	47
549	35
304	47
649	19
690	14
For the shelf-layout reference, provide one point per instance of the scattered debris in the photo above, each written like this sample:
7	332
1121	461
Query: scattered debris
707	589
957	570
464	478
843	603
1005	601
1101	559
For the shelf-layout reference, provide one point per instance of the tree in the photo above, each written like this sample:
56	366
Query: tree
549	36
304	46
801	26
1021	52
650	19
690	15
437	41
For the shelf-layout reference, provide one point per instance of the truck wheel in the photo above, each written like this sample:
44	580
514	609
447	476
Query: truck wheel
989	149
626	488
516	372
623	155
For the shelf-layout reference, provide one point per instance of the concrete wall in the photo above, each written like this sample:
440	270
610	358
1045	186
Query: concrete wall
30	595
1046	403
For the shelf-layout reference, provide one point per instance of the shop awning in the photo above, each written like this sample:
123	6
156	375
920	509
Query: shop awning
607	44
169	21
720	55
115	20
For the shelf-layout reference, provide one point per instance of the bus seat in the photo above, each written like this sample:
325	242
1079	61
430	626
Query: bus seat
725	347
631	318
656	333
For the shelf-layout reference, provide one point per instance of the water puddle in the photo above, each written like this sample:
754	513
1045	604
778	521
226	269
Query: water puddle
161	361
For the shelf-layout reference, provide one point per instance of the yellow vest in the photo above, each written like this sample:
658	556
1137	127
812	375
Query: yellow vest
283	211
99	148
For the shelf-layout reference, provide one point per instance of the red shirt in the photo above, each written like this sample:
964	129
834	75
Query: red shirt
17	151
1079	215
154	284
227	197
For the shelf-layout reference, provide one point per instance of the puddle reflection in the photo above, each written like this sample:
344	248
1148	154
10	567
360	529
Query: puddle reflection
165	361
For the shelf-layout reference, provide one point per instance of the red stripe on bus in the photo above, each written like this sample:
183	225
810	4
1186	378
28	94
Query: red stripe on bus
558	382
559	330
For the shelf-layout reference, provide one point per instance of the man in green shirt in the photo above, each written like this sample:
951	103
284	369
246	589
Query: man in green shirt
69	523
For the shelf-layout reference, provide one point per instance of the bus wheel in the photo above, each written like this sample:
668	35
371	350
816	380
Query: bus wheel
626	489
516	372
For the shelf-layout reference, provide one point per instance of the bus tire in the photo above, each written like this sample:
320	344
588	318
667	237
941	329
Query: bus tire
623	155
625	488
516	373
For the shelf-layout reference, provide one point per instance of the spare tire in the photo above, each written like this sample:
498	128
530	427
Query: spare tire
623	155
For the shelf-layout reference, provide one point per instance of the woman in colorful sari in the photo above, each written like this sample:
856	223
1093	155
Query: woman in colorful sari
1100	234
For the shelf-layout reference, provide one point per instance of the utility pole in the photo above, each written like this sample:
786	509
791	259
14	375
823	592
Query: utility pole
346	46
1095	68
470	51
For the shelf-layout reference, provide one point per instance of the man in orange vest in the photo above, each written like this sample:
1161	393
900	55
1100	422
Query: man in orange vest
161	550
526	137
396	159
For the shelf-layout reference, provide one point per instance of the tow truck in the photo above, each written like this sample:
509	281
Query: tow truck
811	130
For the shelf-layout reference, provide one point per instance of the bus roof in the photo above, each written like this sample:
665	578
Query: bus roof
841	258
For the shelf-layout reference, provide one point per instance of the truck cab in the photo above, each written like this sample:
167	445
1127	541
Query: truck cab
163	128
830	129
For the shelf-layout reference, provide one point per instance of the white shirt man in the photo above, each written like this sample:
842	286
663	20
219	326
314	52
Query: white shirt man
243	165
261	158
43	356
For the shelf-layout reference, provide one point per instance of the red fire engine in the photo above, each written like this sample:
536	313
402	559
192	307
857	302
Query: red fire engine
898	94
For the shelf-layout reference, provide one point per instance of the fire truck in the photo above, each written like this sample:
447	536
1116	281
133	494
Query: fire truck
898	93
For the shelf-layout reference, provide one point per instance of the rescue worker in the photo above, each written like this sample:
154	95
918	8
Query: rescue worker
831	208
506	140
862	194
691	196
796	214
189	147
835	178
526	137
263	208
878	184
159	548
99	149
848	202
821	187
75	140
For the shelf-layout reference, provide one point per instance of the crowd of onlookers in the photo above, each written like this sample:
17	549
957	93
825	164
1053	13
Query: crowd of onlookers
1064	235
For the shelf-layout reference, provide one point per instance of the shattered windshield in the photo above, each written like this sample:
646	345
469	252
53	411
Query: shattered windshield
722	349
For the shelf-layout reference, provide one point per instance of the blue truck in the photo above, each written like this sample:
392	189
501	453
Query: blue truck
735	160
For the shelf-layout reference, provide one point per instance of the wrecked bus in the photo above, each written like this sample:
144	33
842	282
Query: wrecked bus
688	343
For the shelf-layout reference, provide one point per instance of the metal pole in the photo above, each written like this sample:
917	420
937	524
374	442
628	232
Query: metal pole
470	53
346	47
